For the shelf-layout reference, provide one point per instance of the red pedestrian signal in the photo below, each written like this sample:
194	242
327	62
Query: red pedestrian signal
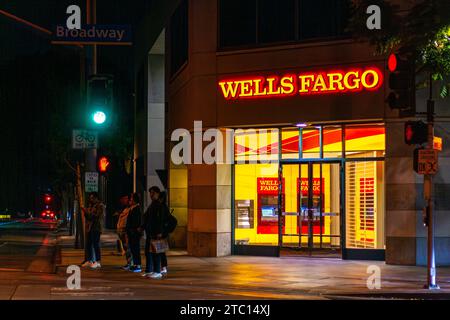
392	62
416	132
103	164
401	94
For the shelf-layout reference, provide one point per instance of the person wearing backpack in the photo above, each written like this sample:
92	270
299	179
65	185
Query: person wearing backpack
155	222
152	223
134	233
169	225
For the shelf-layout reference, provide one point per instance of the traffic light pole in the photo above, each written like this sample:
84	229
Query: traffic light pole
90	155
428	195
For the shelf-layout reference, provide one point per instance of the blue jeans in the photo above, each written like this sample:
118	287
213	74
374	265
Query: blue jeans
134	243
153	260
93	252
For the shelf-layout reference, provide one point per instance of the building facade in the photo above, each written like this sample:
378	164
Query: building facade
314	159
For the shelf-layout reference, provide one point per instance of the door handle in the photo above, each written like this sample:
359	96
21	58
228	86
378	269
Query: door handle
330	214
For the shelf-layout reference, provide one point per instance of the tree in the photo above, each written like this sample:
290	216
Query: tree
423	31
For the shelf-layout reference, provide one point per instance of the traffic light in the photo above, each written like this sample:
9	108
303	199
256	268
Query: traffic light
401	82
100	100
48	199
103	164
416	132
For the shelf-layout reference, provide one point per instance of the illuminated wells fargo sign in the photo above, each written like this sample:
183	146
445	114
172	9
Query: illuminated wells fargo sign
336	81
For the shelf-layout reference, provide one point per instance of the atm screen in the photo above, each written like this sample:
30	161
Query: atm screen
268	212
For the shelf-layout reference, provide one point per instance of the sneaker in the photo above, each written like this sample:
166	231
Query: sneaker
135	269
164	271
86	264
95	265
147	274
126	267
156	275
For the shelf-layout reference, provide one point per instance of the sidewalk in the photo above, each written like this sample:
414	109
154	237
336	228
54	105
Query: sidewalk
243	277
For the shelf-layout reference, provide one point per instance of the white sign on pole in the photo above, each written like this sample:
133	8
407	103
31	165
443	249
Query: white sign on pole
91	182
427	161
84	139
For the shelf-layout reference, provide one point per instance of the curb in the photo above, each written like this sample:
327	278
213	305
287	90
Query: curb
56	259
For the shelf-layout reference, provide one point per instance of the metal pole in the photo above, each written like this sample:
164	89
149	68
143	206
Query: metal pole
94	21
428	184
90	155
310	207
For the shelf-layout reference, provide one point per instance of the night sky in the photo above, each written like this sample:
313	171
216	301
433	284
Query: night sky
40	92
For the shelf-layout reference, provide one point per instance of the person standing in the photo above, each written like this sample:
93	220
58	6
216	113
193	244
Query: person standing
94	216
122	234
153	224
165	233
134	233
145	226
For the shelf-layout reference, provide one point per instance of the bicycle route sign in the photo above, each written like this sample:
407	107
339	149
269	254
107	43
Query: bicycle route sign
84	139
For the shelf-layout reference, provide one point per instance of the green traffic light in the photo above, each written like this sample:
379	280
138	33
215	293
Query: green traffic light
99	117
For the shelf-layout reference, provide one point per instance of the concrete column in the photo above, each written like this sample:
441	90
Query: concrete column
155	121
402	193
178	200
209	209
441	214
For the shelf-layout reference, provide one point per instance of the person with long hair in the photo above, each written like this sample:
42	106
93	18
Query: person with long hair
153	224
134	233
94	216
122	233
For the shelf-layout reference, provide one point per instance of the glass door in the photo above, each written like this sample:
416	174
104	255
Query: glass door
311	208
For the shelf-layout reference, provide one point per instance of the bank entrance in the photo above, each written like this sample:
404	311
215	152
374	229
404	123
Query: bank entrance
313	190
310	208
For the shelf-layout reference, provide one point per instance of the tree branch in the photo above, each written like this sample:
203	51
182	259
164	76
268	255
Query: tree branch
70	165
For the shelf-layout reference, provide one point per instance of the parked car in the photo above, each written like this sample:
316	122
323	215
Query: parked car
48	215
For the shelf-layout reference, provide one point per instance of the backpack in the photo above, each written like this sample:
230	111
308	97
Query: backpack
170	223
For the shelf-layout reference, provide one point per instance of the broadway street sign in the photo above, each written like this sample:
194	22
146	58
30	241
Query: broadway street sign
93	34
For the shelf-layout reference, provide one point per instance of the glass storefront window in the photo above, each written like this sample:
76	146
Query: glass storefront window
332	142
256	186
311	143
253	145
364	189
365	140
289	143
256	204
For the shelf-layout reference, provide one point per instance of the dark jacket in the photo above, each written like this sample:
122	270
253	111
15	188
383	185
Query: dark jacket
94	217
154	218
133	220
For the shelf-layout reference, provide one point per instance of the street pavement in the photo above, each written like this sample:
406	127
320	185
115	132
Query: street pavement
27	245
231	278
